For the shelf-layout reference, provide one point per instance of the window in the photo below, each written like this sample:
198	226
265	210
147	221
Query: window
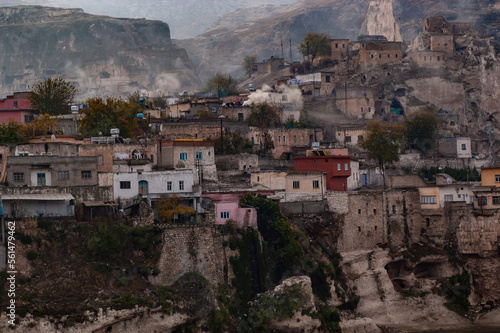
169	186
339	167
279	139
396	55
181	185
15	104
360	137
294	139
448	197
371	56
336	45
296	184
496	200
464	146
63	175
28	119
86	174
394	209
183	156
100	160
380	56
284	139
389	55
327	78
315	183
346	166
427	221
18	176
224	215
428	199
482	201
359	211
374	212
497	178
125	185
199	155
40	178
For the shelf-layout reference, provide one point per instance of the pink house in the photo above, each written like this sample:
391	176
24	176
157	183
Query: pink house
16	107
227	206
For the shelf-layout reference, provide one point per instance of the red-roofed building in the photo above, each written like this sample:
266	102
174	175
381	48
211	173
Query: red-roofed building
338	169
16	107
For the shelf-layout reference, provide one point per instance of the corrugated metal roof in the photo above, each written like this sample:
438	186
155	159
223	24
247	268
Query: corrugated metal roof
38	196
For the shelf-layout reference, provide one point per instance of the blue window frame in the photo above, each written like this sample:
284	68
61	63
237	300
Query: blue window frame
183	156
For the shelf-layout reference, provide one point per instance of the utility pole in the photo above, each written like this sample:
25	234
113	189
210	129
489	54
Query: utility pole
291	60
221	138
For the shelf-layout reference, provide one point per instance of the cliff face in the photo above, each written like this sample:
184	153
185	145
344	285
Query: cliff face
380	21
101	55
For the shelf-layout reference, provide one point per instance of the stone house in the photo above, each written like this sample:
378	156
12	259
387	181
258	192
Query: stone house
16	107
355	101
272	65
340	48
349	136
197	155
287	141
227	207
376	51
69	124
46	170
428	59
207	129
455	147
487	199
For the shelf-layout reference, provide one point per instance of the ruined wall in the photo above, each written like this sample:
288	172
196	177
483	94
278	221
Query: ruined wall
443	43
433	59
355	101
193	249
379	53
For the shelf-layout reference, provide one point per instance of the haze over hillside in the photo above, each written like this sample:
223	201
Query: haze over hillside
262	30
186	18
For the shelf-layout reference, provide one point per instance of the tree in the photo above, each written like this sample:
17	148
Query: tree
264	116
383	142
53	96
105	114
171	205
222	83
421	129
315	44
247	64
43	124
11	132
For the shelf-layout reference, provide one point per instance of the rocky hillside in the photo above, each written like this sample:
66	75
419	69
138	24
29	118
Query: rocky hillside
102	55
254	31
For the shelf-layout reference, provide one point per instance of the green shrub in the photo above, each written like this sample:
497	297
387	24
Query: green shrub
103	268
156	271
31	255
25	239
109	240
145	271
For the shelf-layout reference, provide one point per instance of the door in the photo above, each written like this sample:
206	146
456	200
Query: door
143	187
40	177
364	180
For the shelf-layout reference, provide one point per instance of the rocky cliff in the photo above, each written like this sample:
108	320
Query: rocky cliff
101	55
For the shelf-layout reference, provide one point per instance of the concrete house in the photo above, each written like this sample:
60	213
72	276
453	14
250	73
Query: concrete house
38	204
194	154
227	207
455	147
46	170
490	176
337	168
151	185
16	107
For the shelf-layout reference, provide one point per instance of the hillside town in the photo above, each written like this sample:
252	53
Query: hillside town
298	134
